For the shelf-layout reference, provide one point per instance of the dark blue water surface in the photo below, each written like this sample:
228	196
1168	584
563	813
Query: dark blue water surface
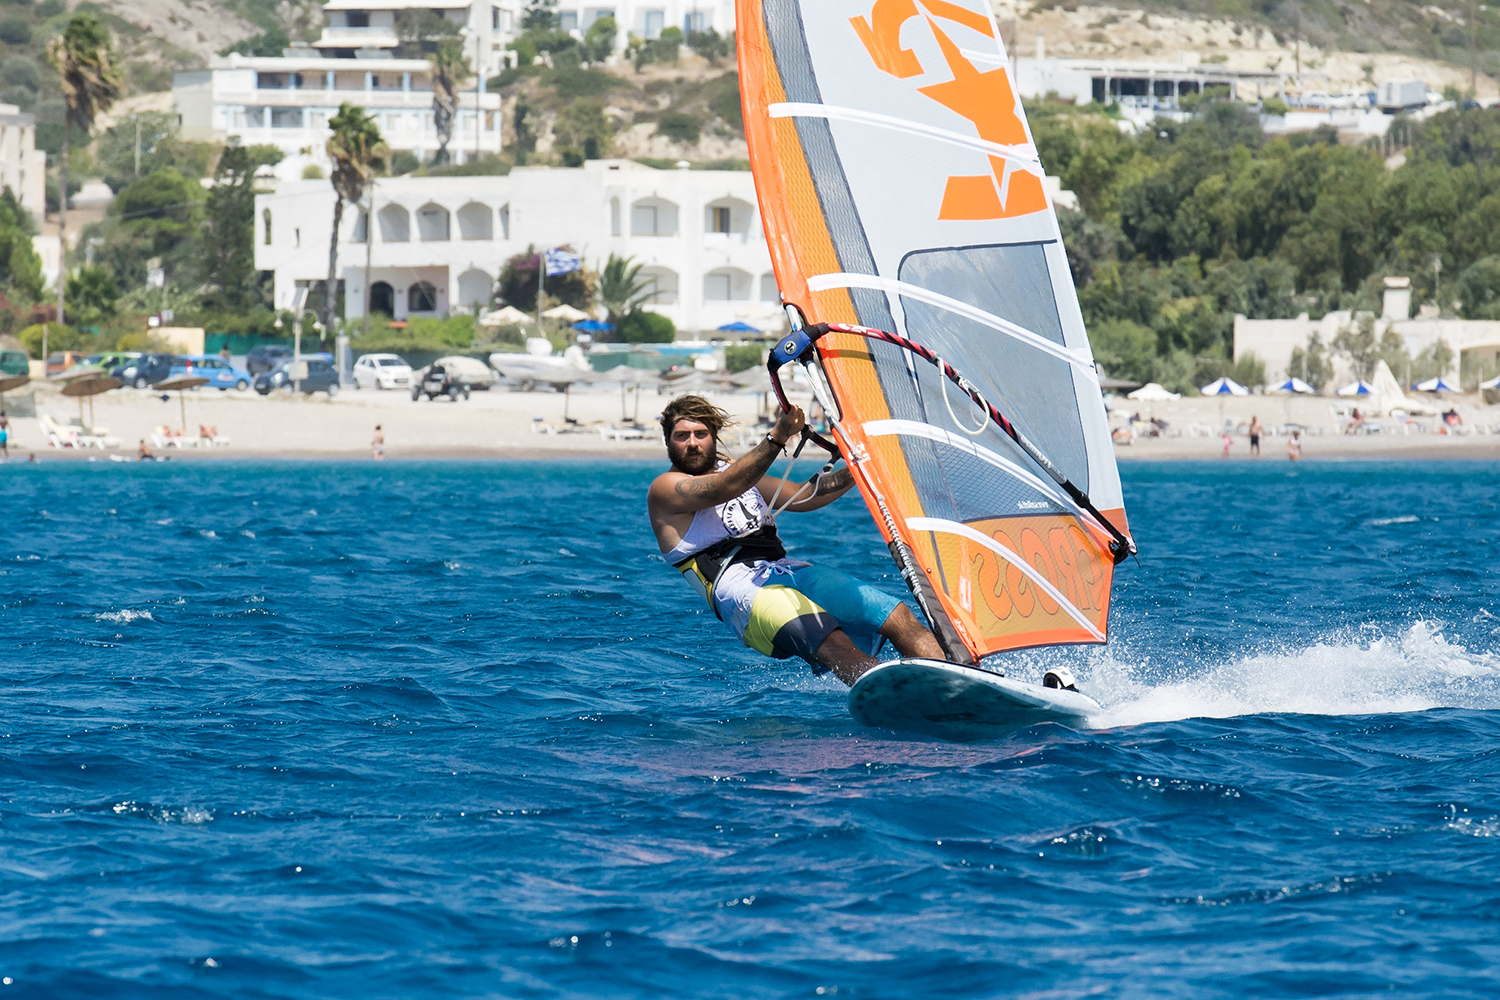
422	730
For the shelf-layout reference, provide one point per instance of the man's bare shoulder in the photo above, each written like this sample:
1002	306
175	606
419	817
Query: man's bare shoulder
665	485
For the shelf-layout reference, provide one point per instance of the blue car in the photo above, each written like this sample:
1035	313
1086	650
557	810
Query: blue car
220	373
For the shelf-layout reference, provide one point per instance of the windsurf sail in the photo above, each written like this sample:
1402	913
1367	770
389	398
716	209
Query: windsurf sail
903	203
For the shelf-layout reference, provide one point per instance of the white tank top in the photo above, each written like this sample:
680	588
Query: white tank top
730	519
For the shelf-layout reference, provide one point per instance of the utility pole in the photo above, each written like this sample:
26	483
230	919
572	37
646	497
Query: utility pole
369	243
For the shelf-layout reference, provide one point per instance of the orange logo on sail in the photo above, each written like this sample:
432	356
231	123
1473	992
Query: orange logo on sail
984	98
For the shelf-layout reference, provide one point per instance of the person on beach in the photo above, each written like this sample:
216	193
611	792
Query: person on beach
4	435
1228	440
1256	430
143	453
377	445
1294	446
713	522
1356	421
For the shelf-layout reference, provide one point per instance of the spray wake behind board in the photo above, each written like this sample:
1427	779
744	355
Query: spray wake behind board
920	259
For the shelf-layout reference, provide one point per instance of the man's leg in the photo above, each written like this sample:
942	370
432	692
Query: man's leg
846	660
909	636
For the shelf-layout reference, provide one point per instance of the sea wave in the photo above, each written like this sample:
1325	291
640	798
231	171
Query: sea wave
1417	669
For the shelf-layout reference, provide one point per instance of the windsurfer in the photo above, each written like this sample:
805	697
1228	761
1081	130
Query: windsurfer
713	522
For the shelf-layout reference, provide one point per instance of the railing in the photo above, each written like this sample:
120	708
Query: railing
344	33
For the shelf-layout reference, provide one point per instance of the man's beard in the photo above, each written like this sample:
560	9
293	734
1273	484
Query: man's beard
694	464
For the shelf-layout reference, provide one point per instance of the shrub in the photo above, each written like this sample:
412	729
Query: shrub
646	327
60	337
312	172
680	127
742	357
14	30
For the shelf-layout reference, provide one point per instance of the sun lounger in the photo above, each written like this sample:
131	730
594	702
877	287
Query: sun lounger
58	435
610	433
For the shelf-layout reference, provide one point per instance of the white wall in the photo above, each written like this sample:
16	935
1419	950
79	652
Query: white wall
541	207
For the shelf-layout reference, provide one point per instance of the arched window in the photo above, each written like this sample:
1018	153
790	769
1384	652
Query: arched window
265	218
727	284
421	297
505	222
661	285
769	292
653	217
727	216
474	291
432	222
476	222
383	298
395	224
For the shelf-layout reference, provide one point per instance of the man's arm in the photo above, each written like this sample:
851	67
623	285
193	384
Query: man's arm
828	489
680	493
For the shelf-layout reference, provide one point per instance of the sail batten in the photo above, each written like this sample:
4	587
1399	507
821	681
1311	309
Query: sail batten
901	192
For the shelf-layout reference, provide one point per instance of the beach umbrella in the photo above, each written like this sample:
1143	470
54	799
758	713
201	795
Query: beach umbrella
591	326
1360	388
1224	386
1493	383
1153	392
1295	385
567	313
89	388
739	326
9	382
181	383
1438	384
506	316
628	377
78	372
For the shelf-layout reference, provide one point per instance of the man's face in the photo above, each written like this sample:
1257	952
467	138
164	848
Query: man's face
691	447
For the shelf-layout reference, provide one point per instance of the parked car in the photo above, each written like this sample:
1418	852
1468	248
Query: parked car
322	376
220	373
438	379
60	361
148	369
264	357
14	363
381	371
110	360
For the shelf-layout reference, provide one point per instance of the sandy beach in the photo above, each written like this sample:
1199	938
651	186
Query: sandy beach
504	424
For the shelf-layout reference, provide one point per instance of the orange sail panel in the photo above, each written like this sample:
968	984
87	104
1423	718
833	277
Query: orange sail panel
900	190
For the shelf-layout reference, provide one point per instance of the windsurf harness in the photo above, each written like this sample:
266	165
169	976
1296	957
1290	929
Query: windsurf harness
735	531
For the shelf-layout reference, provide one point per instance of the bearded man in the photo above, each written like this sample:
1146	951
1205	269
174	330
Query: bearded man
713	522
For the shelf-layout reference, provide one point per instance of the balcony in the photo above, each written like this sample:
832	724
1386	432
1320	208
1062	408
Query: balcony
309	97
372	37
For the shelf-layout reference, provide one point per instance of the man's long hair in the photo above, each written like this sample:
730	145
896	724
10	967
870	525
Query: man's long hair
693	408
699	409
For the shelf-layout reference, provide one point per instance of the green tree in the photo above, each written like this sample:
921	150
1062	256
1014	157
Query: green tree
599	40
93	292
517	285
1124	348
711	45
271	42
450	70
583	132
160	211
540	14
622	290
84	58
229	240
646	327
358	155
1479	289
1357	342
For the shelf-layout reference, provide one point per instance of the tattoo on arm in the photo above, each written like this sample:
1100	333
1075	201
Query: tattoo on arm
696	488
834	482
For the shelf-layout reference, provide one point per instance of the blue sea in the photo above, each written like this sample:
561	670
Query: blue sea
454	729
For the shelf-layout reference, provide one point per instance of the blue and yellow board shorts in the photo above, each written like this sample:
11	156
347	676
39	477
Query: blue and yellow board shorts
787	608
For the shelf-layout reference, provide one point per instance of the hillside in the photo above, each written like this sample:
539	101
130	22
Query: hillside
1354	44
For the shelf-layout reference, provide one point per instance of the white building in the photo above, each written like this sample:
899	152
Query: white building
1475	343
23	167
647	18
286	100
440	242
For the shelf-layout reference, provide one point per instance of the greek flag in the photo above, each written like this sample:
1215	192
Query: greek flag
562	262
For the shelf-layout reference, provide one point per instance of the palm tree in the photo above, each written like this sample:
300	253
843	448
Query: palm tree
450	70
358	154
84	57
622	290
